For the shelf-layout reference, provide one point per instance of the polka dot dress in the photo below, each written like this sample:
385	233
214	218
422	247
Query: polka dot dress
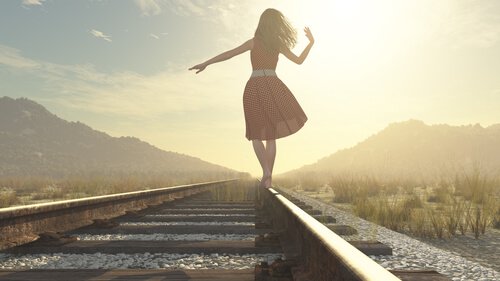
271	110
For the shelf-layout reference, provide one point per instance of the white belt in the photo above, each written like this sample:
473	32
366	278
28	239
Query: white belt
263	72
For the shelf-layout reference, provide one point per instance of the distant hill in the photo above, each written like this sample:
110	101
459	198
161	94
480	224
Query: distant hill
413	149
35	142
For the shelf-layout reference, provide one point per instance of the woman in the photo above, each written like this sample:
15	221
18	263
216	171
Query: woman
271	110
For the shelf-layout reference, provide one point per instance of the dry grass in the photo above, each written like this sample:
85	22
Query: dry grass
21	191
8	197
467	202
241	191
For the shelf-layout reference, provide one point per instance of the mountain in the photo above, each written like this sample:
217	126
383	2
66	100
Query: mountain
413	149
35	142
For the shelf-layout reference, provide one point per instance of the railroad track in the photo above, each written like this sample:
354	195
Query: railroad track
224	230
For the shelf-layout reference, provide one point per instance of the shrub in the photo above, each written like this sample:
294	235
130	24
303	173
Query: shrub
437	222
364	208
8	198
453	215
419	225
442	193
413	201
465	219
347	188
496	218
310	182
344	190
476	186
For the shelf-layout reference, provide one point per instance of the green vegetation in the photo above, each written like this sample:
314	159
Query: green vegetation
467	202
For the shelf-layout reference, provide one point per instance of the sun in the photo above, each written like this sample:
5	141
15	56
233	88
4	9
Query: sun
361	32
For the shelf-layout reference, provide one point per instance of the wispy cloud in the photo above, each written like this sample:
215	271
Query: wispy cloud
123	93
33	2
158	35
186	8
100	34
149	7
12	58
179	7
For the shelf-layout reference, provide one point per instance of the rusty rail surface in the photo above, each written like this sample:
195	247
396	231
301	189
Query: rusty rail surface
22	224
324	254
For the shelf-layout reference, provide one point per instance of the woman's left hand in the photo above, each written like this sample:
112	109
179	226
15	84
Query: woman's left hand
309	34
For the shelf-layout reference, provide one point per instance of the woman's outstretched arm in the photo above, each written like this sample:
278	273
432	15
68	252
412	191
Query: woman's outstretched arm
224	56
300	59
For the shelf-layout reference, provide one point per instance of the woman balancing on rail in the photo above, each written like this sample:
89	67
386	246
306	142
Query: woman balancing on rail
271	110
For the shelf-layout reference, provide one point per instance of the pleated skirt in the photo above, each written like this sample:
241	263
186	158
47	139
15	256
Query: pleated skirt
271	110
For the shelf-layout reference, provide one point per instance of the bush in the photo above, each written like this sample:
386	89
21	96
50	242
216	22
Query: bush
344	190
496	218
364	208
347	188
309	182
419	225
8	198
413	201
441	193
476	186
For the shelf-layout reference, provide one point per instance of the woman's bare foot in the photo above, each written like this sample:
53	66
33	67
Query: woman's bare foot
268	181
265	181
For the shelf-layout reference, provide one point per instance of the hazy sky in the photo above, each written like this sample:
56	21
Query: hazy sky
121	67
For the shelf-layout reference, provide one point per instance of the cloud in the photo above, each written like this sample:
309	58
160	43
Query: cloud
178	7
186	8
149	7
158	36
12	58
127	94
33	2
100	34
124	93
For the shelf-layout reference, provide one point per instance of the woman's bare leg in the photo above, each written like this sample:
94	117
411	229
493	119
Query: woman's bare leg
261	153
271	155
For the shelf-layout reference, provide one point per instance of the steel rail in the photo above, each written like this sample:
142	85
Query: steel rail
22	224
326	255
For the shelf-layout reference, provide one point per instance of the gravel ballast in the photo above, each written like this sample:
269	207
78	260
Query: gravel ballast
142	261
165	237
187	223
198	215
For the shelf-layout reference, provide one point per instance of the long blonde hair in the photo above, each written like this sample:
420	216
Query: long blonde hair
275	31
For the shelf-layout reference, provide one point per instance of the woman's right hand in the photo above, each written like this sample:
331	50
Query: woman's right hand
309	34
200	67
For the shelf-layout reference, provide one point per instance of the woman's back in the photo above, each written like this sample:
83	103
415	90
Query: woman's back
262	58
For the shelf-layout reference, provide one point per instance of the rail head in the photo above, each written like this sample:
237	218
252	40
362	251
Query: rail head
356	262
